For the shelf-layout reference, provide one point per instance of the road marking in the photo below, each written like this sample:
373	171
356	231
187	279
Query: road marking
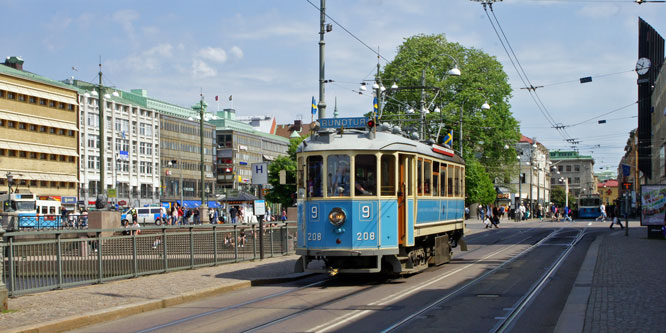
394	297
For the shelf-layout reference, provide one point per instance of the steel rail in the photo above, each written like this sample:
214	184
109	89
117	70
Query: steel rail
469	284
391	298
537	287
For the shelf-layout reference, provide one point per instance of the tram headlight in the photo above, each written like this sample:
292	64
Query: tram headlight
337	217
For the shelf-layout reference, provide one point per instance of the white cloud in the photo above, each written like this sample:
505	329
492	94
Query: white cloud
125	18
237	52
201	69
214	54
291	29
598	11
162	50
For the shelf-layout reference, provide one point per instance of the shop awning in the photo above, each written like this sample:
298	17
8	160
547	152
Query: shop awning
213	204
38	148
21	118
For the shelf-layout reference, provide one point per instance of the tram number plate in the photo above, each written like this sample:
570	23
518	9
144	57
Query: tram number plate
314	236
361	236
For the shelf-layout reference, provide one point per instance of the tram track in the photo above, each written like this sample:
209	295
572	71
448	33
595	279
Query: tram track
506	321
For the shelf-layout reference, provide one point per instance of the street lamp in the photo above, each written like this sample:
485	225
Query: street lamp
566	190
451	72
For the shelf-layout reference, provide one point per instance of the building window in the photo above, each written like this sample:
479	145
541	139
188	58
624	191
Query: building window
42	101
32	100
33	155
576	180
21	125
70	107
568	168
52	130
43	156
21	98
577	168
11	95
61	106
42	129
53	157
52	104
33	127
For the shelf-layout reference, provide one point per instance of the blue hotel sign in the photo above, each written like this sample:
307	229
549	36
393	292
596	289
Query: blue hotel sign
354	122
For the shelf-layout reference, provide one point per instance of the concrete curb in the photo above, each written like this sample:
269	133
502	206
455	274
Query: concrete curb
118	312
572	318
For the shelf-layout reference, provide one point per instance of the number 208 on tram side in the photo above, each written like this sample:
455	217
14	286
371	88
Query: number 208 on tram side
374	201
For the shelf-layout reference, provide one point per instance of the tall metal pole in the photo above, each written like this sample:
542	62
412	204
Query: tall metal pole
461	130
422	106
203	211
102	137
321	106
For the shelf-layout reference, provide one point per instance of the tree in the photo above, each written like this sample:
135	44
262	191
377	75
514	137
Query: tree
482	79
282	193
480	187
558	197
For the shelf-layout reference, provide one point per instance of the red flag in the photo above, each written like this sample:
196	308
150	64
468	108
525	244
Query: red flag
216	98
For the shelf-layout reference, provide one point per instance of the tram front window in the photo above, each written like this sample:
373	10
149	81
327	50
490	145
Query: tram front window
315	164
338	175
365	171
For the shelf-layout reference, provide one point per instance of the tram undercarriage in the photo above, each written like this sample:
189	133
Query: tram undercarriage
428	250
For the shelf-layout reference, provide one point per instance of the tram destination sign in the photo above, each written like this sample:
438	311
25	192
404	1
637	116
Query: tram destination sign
353	122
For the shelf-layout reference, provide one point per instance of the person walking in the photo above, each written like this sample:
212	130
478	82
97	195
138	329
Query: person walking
602	210
232	213
283	218
522	211
567	214
616	217
479	213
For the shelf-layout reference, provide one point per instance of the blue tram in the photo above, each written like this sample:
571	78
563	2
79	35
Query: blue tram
377	201
588	206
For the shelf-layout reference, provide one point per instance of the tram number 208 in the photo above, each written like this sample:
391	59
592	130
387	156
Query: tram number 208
361	236
314	236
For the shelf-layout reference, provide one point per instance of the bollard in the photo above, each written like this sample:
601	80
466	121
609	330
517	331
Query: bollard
4	293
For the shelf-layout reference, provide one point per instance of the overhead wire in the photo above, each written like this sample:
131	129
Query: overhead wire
522	73
350	33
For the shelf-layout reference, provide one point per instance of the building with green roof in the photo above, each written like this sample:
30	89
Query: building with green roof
576	169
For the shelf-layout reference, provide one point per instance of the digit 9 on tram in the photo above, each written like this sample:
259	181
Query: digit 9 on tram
376	201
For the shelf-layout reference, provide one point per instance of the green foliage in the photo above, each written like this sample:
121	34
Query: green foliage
282	194
482	79
478	185
558	197
293	146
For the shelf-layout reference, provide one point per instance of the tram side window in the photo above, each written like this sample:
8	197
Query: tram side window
442	177
449	181
315	164
462	182
410	173
388	175
457	180
338	175
419	177
299	173
435	178
427	177
365	172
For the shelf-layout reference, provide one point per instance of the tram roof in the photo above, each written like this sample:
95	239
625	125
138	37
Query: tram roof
361	140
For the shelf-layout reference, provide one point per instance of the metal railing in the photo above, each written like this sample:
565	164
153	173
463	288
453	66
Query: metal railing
45	260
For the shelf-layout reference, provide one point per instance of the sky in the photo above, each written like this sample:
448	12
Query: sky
265	54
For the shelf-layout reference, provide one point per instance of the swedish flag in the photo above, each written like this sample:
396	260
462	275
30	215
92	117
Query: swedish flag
374	104
448	139
314	106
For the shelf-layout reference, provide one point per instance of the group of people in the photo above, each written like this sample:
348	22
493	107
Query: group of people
77	218
491	215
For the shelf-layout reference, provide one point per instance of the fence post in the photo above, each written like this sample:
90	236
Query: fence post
254	241
271	231
214	245
12	272
59	260
191	249
99	258
235	243
164	250
135	255
4	293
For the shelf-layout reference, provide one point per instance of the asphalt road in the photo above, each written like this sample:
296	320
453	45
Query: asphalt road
516	277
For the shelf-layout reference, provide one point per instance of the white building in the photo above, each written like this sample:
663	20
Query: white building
535	170
131	152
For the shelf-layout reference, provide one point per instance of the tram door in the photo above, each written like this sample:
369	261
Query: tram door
404	191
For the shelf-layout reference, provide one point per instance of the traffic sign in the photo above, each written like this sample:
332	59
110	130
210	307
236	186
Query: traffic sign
627	185
260	173
259	207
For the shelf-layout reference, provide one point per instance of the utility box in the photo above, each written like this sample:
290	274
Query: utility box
104	219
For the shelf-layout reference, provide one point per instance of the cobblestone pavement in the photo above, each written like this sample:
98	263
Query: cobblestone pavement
62	305
628	293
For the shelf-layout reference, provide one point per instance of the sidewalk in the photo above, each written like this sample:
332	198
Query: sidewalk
620	286
67	309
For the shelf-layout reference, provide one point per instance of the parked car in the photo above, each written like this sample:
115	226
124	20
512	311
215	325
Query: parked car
144	215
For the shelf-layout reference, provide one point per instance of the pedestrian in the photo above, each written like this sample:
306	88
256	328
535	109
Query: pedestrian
479	213
616	217
268	214
522	211
136	228
157	242
233	213
181	215
283	218
602	210
501	212
495	219
567	214
195	216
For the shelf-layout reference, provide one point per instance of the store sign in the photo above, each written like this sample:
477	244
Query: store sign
69	200
503	196
352	122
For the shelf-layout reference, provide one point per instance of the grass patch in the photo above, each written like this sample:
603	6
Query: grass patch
9	311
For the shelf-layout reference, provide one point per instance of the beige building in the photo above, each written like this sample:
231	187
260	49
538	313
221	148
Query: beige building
38	133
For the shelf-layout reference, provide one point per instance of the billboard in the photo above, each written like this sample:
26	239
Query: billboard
653	204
